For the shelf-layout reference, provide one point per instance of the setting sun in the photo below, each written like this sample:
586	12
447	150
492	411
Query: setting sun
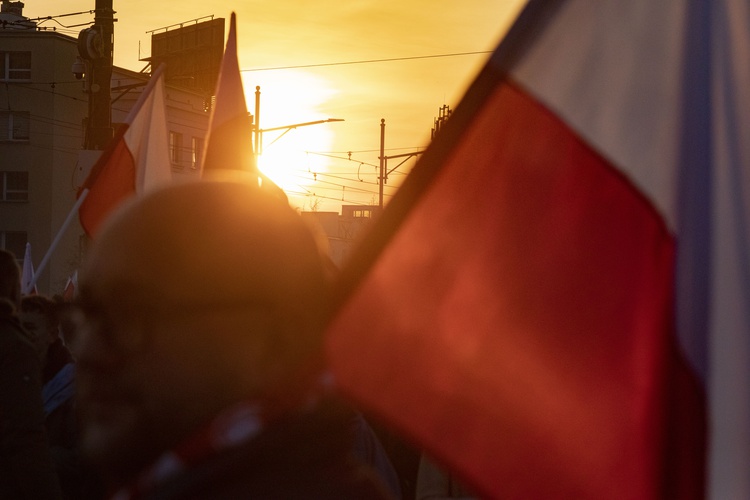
290	104
362	62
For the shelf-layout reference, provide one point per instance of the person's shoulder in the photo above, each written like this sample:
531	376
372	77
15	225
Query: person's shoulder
302	455
13	334
8	314
237	479
15	345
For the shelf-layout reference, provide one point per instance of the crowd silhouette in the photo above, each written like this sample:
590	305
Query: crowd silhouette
187	372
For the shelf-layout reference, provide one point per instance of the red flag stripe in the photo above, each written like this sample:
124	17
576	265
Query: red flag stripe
136	160
570	353
113	185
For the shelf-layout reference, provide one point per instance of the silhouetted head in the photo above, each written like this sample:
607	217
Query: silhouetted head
10	278
40	320
192	298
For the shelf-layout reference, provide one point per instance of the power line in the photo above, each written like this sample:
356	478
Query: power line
317	179
315	195
341	158
58	94
337	185
69	151
353	176
54	122
302	176
24	84
345	195
24	23
408	148
368	61
320	184
45	18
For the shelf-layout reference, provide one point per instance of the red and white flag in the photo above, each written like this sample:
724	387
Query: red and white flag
71	287
230	130
229	143
136	160
556	303
28	284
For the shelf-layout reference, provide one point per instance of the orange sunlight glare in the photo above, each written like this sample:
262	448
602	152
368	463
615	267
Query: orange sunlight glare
291	98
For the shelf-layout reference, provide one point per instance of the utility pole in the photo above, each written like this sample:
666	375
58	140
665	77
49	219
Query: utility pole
384	172
382	176
444	112
256	125
96	47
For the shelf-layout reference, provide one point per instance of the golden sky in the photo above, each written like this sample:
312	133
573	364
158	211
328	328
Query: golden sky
406	93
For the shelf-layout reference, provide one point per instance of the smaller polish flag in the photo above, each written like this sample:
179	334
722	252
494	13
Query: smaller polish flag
27	273
69	292
136	160
230	130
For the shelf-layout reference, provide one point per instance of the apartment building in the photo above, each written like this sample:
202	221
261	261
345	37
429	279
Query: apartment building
43	109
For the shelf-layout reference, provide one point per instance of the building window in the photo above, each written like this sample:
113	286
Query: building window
14	125
14	242
16	66
362	214
197	153
175	145
15	186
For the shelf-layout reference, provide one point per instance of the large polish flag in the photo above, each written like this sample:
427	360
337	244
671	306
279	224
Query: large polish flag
136	160
556	303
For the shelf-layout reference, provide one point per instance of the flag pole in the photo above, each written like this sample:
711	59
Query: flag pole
58	237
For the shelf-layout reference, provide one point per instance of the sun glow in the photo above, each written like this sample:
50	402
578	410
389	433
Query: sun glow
288	102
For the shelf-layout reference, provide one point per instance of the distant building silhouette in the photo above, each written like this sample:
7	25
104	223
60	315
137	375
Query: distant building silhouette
344	230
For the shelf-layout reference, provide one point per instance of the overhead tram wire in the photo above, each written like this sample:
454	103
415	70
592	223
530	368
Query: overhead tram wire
327	186
40	20
26	86
342	158
354	187
312	194
365	150
336	175
66	29
314	174
367	61
361	163
55	122
338	188
352	184
317	190
305	173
